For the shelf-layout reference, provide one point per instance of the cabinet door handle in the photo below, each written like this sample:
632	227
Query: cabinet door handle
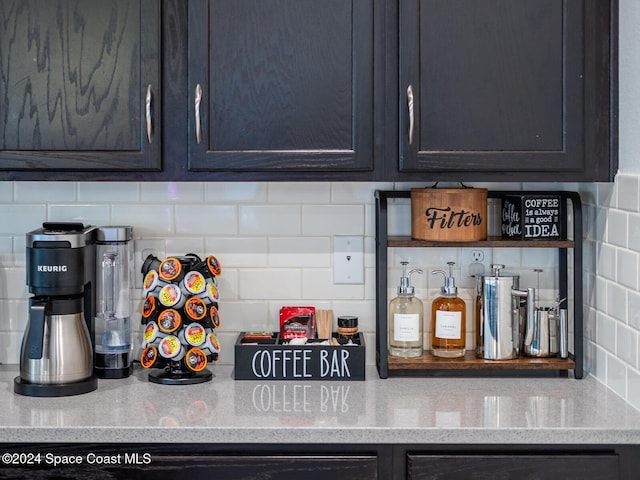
148	113
197	111
410	106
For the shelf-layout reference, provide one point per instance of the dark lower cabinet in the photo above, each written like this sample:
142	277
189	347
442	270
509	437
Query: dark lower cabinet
320	461
512	467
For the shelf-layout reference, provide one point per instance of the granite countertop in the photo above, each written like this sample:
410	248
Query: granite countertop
395	410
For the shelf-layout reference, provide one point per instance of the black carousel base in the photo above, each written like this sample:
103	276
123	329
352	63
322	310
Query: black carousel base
180	378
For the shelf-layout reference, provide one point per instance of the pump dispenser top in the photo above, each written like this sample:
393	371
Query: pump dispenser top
449	288
405	287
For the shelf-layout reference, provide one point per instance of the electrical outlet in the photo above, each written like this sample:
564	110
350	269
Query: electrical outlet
477	256
473	262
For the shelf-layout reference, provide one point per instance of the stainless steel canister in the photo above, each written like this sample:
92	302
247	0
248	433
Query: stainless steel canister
499	316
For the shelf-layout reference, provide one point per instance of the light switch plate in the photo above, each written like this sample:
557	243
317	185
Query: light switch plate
348	260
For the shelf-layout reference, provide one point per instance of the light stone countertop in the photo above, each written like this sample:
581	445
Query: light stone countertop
375	411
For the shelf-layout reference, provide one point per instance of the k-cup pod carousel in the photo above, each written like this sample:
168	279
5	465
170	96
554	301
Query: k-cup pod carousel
179	317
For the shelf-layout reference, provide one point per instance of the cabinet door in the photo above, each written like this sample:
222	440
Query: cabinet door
513	467
497	86
76	77
280	85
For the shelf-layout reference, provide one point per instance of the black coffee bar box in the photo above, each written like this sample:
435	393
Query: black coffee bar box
269	358
532	217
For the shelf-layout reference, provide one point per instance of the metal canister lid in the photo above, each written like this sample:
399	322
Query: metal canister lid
114	233
348	321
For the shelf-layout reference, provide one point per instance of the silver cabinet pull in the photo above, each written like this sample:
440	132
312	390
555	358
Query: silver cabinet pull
148	114
410	105
197	111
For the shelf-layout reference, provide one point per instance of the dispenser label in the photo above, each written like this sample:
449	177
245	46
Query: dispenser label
448	324
406	327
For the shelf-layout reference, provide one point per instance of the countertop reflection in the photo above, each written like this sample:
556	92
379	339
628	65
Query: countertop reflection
395	410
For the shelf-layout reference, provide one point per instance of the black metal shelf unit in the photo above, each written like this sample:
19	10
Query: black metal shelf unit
426	365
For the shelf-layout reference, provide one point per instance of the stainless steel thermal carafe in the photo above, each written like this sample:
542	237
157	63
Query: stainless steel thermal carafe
499	316
56	347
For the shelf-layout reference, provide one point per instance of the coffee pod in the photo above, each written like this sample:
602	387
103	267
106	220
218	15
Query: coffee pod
214	265
148	308
151	333
171	296
171	270
195	360
169	320
149	357
152	284
194	334
195	309
171	348
212	343
193	283
211	293
214	316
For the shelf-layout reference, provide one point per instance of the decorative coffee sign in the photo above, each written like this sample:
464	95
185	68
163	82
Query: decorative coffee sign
531	217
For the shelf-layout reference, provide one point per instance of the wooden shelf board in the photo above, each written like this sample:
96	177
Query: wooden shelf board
469	362
407	241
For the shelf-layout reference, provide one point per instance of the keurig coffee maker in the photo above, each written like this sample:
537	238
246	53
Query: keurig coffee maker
57	352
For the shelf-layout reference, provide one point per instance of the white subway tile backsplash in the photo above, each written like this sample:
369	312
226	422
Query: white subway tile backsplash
356	192
606	261
86	214
627	345
317	284
633	309
147	220
617	228
20	219
300	252
627	186
237	252
269	220
606	332
627	268
235	192
201	219
299	192
617	376
6	192
178	192
269	283
633	388
633	233
108	192
332	220
274	242
43	192
617	301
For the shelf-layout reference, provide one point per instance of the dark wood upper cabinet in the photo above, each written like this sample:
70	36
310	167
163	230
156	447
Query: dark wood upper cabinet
504	89
75	81
281	85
